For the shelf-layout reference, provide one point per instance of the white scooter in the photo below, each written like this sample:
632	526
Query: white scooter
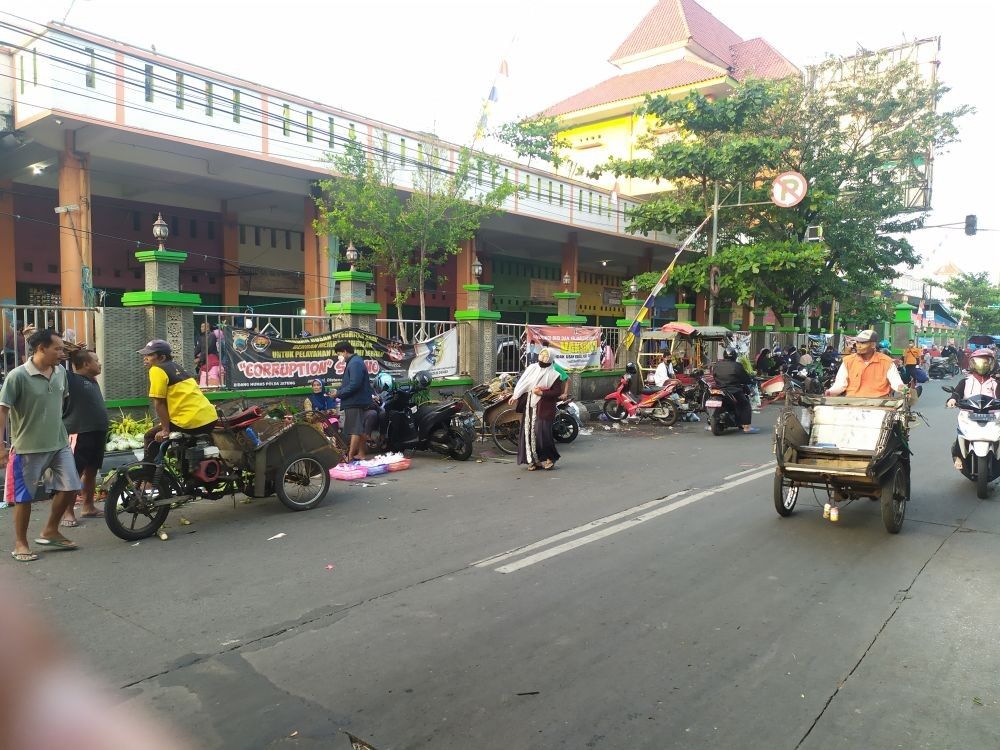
979	439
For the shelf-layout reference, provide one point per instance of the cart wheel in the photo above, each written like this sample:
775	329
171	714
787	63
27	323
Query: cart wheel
786	494
715	422
129	511
895	494
301	482
665	412
614	411
506	426
982	476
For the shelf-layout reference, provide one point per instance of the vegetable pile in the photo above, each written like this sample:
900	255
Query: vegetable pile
126	434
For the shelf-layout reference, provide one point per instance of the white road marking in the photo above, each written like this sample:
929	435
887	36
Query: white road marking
625	525
746	471
493	559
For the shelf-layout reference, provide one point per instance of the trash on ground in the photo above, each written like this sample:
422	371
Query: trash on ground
163	536
276	536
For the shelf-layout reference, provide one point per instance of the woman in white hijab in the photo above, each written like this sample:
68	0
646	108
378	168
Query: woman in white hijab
536	394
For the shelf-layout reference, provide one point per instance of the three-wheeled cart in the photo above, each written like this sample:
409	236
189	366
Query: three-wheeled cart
849	448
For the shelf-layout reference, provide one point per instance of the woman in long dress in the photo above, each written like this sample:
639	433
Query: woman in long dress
536	394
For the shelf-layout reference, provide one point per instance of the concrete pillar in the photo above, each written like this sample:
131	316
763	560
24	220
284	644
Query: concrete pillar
758	330
724	317
685	312
902	327
231	257
8	262
354	310
570	261
477	334
314	269
75	245
788	329
566	310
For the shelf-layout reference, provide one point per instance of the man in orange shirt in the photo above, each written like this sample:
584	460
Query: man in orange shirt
911	359
868	373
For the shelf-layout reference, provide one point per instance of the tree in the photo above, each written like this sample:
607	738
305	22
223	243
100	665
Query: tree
979	298
406	237
849	140
534	139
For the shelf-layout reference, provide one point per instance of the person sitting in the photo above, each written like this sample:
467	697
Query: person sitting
829	357
868	373
764	365
733	378
982	380
664	371
320	401
805	358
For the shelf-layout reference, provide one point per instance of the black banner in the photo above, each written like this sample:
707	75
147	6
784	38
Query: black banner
258	360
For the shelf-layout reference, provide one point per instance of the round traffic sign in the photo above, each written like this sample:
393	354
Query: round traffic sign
788	189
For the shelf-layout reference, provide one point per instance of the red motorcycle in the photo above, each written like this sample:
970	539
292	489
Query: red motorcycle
655	403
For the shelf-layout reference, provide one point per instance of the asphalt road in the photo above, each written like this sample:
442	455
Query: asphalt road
651	598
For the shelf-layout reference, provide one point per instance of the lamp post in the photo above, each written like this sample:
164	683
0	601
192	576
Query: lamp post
477	268
633	288
566	280
160	230
352	254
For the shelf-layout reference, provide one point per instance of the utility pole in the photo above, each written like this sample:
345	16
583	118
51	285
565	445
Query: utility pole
711	255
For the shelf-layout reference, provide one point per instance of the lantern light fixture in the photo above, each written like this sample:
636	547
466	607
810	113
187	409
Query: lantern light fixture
160	230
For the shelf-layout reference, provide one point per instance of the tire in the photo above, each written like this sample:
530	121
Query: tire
715	422
505	431
982	476
127	503
614	411
785	494
895	495
565	429
462	444
301	482
668	409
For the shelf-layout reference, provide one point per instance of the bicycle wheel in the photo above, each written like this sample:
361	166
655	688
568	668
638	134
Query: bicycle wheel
505	429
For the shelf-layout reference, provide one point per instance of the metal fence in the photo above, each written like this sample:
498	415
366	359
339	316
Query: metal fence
412	331
75	324
512	349
278	326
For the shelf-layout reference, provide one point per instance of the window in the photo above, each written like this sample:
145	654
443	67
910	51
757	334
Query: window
579	200
274	238
148	83
180	91
309	127
385	146
402	151
175	226
193	228
561	193
302	242
118	273
600	205
538	189
211	279
236	105
256	236
331	142
209	103
550	191
136	221
91	68
210	230
351	133
29	266
590	201
286	119
243	234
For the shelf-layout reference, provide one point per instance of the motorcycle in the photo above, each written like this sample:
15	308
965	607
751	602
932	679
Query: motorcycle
566	425
943	367
721	409
655	403
447	428
979	439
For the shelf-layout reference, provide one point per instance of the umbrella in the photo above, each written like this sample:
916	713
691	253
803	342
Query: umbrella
980	339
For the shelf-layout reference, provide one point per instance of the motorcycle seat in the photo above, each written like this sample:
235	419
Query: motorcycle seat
240	419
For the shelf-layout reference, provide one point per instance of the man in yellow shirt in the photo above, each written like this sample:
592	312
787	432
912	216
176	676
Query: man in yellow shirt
911	359
179	404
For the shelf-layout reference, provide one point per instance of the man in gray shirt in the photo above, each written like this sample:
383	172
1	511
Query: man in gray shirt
33	395
86	416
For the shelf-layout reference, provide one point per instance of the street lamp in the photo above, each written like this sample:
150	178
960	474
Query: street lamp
633	288
566	281
351	255
160	230
477	268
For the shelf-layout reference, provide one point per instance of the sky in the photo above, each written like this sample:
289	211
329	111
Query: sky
427	65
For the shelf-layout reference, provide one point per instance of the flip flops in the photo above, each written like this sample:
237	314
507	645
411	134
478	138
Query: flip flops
55	545
69	523
24	556
95	514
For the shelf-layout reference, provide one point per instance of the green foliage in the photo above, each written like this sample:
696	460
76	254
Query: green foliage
852	143
983	299
534	139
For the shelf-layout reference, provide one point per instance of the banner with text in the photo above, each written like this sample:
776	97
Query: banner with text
574	347
258	360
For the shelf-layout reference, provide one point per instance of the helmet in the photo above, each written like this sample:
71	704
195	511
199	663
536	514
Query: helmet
383	382
422	379
630	368
884	344
982	361
729	353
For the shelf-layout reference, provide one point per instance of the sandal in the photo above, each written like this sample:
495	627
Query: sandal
548	464
56	544
69	523
533	467
24	556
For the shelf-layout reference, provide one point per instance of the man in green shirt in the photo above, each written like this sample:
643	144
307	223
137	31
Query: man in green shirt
33	395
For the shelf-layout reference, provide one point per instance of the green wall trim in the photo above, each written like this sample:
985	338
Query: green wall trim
161	256
353	276
476	315
788	329
626	322
558	320
160	299
353	308
477	287
601	373
567	295
757	328
684	306
633	302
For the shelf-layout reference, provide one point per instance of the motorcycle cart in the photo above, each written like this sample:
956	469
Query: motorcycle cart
246	453
849	448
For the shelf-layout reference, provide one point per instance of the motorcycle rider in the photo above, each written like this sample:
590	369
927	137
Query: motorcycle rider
981	380
733	378
867	373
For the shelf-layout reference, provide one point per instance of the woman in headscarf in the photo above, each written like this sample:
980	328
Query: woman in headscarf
320	401
536	394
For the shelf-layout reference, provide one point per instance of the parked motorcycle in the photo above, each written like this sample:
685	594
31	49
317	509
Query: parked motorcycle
566	425
654	403
447	428
979	439
943	367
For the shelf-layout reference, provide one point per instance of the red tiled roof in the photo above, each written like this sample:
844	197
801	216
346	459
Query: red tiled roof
757	58
673	21
641	82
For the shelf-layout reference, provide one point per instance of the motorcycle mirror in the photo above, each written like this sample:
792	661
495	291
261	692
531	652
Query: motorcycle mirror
946	389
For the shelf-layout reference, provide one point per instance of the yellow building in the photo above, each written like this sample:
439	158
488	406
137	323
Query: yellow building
677	48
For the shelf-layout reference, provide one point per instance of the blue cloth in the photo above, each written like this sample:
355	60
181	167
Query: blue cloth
322	402
355	391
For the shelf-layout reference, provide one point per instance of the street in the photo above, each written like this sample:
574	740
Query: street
643	595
